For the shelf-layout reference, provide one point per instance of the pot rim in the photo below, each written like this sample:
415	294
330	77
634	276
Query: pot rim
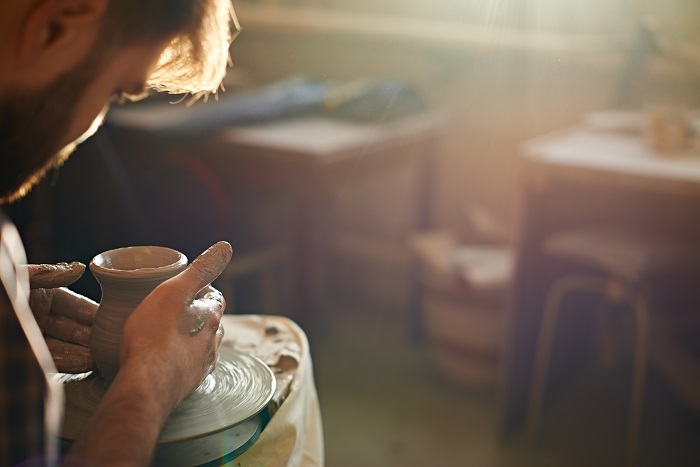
97	264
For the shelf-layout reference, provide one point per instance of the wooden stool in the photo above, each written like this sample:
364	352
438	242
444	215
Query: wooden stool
626	263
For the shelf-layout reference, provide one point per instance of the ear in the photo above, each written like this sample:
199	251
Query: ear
57	31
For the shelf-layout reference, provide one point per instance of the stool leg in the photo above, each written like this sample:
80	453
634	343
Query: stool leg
607	353
641	344
544	347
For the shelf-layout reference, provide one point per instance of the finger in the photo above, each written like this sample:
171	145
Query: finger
219	336
67	330
74	306
215	350
203	270
203	313
210	293
47	276
70	358
40	303
214	362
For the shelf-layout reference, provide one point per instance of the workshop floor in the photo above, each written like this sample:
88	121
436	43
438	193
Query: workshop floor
384	404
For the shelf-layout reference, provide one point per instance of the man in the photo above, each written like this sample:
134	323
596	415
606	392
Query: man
61	63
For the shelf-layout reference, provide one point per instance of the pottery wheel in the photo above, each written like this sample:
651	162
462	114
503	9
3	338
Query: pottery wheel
224	406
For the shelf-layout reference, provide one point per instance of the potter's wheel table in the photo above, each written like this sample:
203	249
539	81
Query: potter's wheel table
217	422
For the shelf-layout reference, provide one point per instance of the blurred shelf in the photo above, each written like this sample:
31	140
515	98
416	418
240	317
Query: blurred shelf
435	33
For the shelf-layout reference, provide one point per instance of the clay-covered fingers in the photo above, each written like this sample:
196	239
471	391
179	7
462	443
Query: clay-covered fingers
73	306
204	269
63	314
49	276
207	303
204	312
210	293
67	330
70	358
210	298
214	356
65	318
204	316
220	334
40	302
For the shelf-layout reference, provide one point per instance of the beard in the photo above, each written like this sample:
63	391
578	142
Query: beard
33	128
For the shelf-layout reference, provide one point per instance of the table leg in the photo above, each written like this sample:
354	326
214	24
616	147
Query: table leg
526	313
311	240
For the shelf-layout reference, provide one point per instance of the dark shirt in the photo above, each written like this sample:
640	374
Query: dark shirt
30	406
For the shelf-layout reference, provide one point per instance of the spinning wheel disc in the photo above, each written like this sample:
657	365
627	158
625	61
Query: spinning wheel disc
234	393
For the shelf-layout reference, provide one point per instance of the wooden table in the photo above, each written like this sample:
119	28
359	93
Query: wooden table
304	160
583	178
308	159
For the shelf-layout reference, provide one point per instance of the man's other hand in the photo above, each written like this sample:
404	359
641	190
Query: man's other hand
65	318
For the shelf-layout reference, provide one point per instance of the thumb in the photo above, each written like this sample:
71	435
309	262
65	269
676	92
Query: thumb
51	276
204	269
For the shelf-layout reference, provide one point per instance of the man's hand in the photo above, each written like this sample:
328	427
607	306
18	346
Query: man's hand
175	332
169	345
64	317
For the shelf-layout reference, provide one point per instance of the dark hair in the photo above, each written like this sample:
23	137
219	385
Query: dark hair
201	30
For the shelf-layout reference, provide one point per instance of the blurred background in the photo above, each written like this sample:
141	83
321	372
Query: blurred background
483	213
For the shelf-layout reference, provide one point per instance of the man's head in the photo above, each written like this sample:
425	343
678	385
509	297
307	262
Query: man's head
63	61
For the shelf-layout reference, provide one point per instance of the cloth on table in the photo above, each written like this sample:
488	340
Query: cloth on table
294	435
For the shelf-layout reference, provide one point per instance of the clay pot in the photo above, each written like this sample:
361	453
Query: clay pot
126	276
